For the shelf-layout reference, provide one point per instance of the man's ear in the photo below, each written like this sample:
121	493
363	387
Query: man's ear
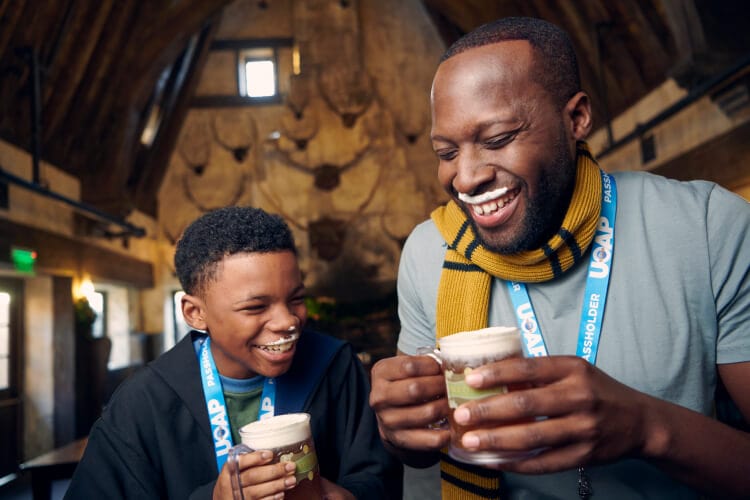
578	115
193	311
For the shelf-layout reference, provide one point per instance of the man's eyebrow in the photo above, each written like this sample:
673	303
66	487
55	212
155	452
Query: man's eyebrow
480	126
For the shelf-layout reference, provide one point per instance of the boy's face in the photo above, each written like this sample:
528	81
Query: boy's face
253	311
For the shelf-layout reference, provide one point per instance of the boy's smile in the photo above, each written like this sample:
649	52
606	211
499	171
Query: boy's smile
253	309
281	345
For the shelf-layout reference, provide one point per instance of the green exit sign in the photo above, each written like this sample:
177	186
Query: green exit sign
23	259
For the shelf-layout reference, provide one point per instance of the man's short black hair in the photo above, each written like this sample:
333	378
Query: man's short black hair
556	66
223	232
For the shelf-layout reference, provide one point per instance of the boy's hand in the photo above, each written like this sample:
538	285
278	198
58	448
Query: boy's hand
256	478
332	491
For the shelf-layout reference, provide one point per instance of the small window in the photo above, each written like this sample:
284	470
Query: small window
98	302
5	350
258	77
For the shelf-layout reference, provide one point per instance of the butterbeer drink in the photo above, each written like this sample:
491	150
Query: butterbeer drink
290	440
459	354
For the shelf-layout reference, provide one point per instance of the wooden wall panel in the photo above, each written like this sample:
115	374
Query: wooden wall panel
63	256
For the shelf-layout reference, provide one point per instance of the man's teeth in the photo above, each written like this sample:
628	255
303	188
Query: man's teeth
281	345
491	206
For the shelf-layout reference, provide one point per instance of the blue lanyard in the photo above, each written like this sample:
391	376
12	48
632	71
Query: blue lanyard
595	294
217	408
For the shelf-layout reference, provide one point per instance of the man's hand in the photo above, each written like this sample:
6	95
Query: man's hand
257	479
408	395
589	417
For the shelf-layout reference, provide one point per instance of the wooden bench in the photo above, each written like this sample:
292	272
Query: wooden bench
56	464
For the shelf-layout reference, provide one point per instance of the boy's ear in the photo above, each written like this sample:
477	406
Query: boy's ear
193	311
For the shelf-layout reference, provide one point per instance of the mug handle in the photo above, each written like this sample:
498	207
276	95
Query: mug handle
234	469
434	353
431	352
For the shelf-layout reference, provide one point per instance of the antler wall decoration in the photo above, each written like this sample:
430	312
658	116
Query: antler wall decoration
235	132
300	128
195	146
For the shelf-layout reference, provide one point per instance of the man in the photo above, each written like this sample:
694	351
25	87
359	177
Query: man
624	349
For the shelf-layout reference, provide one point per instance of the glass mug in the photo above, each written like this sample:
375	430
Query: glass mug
290	439
458	355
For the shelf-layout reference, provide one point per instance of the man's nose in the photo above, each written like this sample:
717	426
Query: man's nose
471	172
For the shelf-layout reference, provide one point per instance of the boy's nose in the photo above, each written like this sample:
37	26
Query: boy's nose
285	322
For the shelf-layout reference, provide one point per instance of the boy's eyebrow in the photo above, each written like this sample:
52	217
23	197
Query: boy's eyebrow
299	288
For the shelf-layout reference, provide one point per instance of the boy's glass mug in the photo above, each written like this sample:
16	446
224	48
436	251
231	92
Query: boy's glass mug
290	439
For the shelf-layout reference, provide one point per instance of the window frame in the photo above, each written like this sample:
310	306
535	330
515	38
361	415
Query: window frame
236	47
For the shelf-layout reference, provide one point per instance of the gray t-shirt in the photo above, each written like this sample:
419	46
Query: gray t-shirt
678	304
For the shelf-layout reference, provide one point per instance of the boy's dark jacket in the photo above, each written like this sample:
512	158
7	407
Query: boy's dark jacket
153	439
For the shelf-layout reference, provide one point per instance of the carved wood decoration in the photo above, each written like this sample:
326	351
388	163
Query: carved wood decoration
235	132
329	43
299	93
300	128
195	145
347	90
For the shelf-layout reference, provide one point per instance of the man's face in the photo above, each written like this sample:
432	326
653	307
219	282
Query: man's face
504	154
249	309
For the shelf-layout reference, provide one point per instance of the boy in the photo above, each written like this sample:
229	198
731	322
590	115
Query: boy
164	433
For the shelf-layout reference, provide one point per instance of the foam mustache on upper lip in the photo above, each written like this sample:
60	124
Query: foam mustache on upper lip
282	340
481	198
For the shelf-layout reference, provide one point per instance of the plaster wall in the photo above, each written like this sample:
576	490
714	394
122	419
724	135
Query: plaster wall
38	397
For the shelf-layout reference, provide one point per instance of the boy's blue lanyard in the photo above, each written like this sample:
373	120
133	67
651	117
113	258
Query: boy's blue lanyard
595	295
217	408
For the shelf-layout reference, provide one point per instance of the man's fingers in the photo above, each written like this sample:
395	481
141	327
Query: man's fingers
394	418
401	367
536	371
408	392
420	439
543	433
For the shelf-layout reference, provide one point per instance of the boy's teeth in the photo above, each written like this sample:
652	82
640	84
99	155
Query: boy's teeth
281	345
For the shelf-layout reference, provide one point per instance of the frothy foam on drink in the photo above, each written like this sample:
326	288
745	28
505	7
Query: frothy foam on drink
276	432
493	342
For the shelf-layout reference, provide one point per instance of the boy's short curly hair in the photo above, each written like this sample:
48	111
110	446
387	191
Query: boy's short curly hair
223	232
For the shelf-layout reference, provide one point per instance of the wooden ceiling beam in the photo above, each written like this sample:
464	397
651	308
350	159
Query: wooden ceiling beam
92	97
150	49
10	15
152	164
645	48
68	66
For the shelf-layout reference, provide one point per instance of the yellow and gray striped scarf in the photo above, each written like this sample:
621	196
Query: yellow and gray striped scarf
466	278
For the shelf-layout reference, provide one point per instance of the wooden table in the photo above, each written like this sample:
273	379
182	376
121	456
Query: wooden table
56	464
